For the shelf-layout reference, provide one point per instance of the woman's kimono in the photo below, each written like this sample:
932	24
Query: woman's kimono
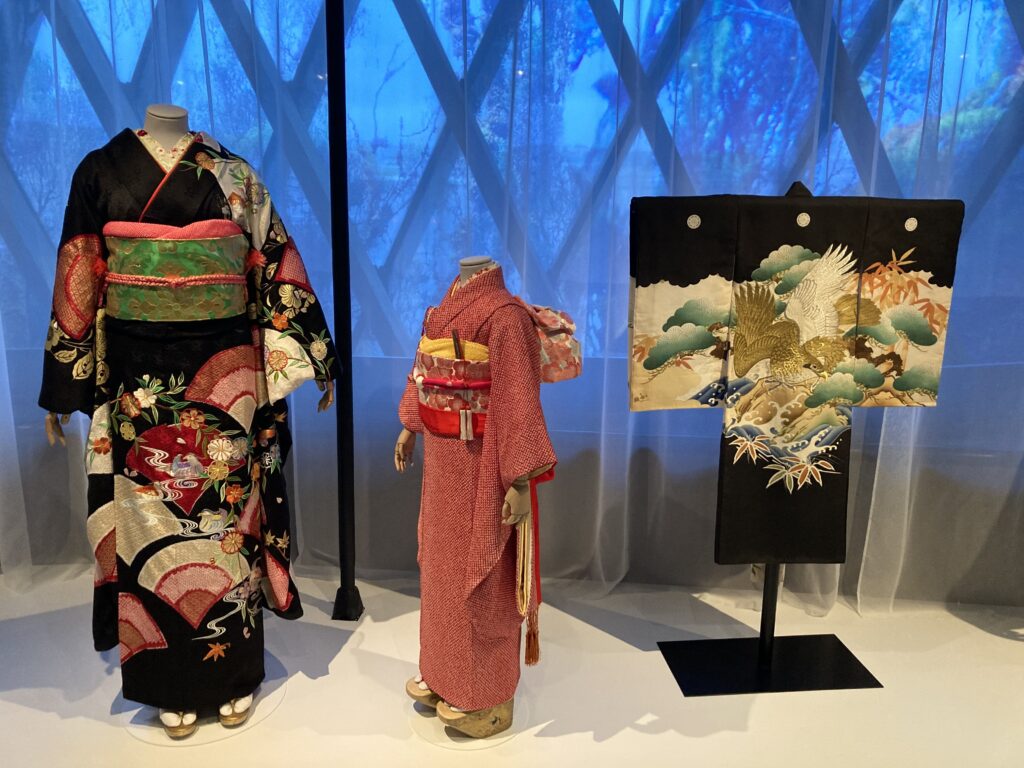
475	444
182	316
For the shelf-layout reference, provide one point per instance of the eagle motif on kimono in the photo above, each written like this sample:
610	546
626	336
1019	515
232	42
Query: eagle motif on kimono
805	341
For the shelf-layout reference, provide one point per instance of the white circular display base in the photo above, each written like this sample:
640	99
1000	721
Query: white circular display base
425	724
144	724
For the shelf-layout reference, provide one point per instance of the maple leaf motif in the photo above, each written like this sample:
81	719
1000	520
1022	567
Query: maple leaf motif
216	651
642	346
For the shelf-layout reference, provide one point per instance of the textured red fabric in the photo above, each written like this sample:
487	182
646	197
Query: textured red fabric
469	624
76	287
291	269
200	230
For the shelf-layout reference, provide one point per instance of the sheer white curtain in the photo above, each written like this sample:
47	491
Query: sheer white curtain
522	128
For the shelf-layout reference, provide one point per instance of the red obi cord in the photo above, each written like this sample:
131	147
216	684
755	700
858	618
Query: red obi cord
456	383
158	282
172	282
451	423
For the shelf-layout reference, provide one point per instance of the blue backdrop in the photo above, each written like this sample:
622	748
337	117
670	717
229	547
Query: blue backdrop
521	129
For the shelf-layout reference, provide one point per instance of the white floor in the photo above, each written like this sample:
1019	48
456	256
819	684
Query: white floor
602	695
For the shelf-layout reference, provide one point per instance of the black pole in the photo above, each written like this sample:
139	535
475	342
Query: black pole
348	605
769	602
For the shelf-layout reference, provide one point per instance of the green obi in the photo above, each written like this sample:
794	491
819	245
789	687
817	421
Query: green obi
149	279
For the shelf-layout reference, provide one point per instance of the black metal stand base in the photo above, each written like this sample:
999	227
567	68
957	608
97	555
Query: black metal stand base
765	664
348	605
798	663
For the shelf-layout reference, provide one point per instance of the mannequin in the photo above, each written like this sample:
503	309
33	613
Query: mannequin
515	508
167	125
470	265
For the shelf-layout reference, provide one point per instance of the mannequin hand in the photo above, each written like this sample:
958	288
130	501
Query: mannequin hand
328	399
403	450
54	432
517	503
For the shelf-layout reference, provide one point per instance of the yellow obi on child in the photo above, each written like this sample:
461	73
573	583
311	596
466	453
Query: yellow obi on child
454	391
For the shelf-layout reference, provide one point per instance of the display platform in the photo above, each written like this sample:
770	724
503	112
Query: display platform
144	724
765	664
601	695
734	665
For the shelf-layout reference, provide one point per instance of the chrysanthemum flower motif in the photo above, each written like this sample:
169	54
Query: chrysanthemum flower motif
127	430
239	448
218	470
318	349
220	449
294	298
289	297
277	359
192	418
232	542
145	396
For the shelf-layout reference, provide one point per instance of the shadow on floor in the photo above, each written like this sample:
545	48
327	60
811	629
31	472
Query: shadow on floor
50	664
594	694
1002	621
643	616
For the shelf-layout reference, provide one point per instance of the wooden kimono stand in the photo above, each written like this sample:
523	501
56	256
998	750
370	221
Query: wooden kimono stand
765	664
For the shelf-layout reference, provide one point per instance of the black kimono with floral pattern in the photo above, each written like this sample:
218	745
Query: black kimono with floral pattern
182	317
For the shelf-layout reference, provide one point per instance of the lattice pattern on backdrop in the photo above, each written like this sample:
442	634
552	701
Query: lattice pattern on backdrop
520	128
78	71
441	170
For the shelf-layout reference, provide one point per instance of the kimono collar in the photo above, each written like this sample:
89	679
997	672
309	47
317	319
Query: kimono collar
458	297
167	159
487	279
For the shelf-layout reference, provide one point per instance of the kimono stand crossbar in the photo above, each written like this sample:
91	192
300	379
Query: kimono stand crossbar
765	664
348	605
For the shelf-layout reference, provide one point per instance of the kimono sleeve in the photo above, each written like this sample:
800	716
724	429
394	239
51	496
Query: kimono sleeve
409	408
297	344
515	409
70	357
